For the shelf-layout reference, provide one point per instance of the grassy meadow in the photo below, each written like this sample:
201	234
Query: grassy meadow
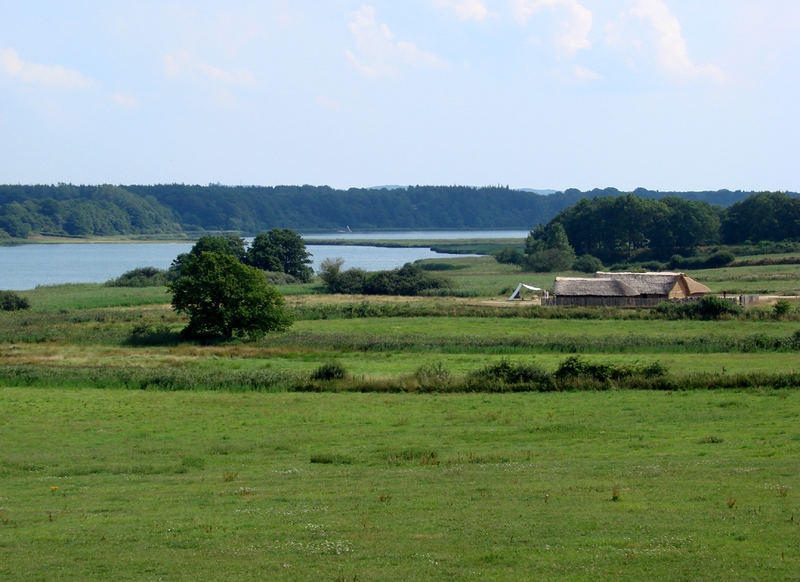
126	452
584	486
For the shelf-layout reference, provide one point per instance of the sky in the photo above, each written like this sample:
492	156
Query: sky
661	94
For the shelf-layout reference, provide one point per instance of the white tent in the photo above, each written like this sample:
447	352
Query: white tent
519	288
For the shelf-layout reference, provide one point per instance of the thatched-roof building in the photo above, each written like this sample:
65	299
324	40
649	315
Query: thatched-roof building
626	289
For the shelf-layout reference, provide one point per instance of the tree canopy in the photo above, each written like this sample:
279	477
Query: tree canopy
280	250
614	228
225	298
66	209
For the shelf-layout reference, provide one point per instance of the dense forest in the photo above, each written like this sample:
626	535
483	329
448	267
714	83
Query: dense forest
627	226
173	208
80	211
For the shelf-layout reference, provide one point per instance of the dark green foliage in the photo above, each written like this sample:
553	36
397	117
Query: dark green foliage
145	334
329	371
709	307
768	216
10	301
426	266
281	250
615	228
351	282
81	211
510	255
576	367
337	281
712	261
506	373
587	264
781	308
223	298
547	249
141	277
407	280
410	279
227	244
549	260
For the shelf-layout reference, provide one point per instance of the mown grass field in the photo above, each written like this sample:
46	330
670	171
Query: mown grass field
135	485
107	472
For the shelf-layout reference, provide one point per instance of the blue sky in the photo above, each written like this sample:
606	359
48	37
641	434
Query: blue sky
664	94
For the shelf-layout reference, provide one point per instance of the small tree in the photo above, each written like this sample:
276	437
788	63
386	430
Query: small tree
280	250
223	298
329	271
547	249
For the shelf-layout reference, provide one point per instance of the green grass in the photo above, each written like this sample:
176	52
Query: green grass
92	295
184	486
233	478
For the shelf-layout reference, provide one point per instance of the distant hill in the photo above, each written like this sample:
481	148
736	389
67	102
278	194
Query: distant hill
163	208
544	192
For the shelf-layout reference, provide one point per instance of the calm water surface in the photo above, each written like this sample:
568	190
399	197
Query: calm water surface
27	266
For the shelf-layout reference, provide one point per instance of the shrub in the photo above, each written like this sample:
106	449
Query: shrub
280	278
781	308
510	256
508	374
719	259
431	377
587	264
329	371
141	277
654	266
145	334
440	266
709	307
351	282
407	280
10	301
549	260
713	307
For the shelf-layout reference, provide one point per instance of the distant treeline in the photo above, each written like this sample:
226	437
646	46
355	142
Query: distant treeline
172	208
615	228
80	211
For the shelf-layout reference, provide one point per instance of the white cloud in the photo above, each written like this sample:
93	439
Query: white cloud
50	75
184	63
670	46
584	74
125	101
377	52
465	9
576	23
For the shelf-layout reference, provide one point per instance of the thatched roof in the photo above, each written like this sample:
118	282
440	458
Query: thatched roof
655	283
695	288
576	286
628	285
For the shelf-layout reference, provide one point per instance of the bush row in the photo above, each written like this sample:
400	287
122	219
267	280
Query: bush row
573	374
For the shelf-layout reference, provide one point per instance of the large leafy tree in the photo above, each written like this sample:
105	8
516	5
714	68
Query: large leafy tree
227	244
224	298
281	250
